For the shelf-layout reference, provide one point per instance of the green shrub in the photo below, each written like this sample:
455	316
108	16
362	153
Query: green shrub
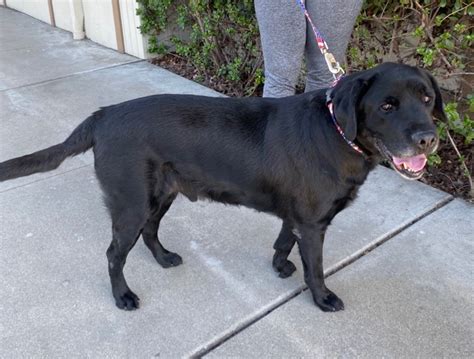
223	38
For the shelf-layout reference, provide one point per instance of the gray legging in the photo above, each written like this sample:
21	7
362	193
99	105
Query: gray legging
286	39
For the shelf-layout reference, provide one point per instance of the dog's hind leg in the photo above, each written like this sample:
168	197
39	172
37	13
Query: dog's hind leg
126	227
150	233
283	246
125	195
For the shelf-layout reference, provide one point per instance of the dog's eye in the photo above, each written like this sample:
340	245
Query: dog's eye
426	99
386	107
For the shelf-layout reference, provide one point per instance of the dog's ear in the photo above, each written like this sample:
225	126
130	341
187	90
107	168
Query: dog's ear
438	110
346	97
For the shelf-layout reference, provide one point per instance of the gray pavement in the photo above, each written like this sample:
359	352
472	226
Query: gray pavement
26	59
405	249
411	297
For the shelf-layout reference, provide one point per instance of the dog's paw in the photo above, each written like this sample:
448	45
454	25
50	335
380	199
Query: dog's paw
282	265
170	259
128	301
329	302
285	269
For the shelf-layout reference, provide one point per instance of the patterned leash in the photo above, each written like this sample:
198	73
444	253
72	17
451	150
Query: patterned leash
336	70
333	65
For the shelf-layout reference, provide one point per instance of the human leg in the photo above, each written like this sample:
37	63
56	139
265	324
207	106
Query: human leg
282	33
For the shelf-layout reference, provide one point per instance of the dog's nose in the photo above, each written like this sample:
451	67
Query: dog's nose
424	139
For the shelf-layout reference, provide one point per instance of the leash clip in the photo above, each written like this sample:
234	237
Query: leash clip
333	65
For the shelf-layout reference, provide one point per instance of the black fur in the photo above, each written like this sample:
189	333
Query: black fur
280	156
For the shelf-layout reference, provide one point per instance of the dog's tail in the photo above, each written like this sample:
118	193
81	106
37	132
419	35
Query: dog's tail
80	140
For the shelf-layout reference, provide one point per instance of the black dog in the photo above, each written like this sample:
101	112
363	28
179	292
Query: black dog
283	156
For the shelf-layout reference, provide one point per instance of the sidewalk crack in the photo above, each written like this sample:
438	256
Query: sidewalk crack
46	178
72	75
252	319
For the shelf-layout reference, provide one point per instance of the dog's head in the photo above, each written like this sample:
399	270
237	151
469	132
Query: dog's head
389	110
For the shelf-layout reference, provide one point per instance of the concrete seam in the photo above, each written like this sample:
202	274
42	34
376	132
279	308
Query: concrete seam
45	178
215	343
72	75
244	324
384	238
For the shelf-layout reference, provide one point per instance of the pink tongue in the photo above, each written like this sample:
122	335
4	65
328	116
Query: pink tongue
415	163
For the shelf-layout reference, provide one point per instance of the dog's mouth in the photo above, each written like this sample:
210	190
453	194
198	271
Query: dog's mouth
411	168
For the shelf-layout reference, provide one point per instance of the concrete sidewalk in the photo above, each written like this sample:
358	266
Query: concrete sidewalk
411	296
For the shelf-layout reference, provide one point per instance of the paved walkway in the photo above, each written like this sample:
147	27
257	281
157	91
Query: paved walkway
411	296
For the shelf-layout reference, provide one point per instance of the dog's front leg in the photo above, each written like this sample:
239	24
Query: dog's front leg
283	246
310	243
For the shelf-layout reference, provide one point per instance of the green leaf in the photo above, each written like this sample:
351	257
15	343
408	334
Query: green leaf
434	160
470	101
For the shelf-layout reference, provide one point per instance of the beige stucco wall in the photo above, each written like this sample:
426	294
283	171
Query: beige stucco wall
36	8
98	20
134	42
62	14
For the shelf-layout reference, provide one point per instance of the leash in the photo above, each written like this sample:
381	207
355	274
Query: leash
333	65
336	71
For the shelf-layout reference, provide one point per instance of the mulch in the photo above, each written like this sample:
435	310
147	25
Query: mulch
448	176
